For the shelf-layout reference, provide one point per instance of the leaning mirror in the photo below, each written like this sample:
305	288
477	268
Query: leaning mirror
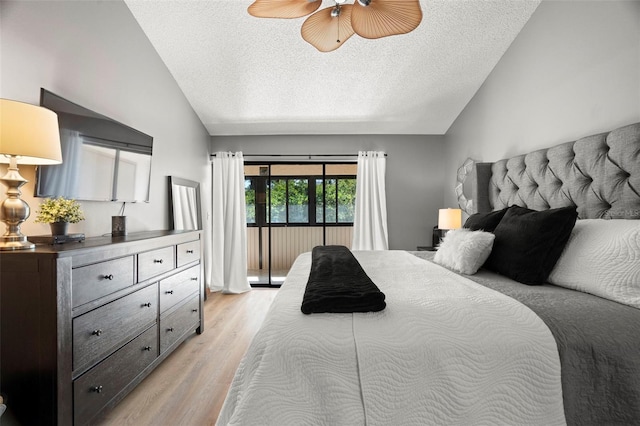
184	203
464	186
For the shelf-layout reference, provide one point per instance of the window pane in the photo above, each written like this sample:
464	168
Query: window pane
330	198
319	201
346	200
278	193
298	200
250	200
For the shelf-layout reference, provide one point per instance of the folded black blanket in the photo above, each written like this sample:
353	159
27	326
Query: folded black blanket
337	283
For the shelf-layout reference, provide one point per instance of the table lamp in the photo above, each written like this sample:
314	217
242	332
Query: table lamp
29	134
448	219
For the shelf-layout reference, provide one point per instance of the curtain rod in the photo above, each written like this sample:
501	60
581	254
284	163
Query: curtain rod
297	155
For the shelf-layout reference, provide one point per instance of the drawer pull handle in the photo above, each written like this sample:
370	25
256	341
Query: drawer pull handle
147	348
97	332
194	279
189	251
194	310
146	305
169	292
157	260
108	277
97	389
170	329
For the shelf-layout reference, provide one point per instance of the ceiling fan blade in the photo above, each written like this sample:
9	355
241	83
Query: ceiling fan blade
283	8
381	18
325	32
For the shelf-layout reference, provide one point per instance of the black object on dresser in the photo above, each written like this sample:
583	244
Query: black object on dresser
83	323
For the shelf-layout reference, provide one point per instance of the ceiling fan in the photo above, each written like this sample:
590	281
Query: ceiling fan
329	28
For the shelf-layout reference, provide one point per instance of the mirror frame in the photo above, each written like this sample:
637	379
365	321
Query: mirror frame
464	172
175	182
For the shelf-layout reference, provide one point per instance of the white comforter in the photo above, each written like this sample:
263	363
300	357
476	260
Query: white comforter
445	351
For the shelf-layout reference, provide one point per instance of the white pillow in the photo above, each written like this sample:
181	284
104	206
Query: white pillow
464	250
602	257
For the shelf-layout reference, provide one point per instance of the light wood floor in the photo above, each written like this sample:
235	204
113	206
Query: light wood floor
189	387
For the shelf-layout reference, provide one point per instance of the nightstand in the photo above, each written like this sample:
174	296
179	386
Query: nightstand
426	248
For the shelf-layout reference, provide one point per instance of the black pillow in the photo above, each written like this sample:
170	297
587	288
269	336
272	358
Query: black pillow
528	242
485	221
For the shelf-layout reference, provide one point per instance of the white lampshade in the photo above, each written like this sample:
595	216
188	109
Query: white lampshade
449	218
28	132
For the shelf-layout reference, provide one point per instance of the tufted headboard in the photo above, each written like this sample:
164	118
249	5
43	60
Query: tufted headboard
599	174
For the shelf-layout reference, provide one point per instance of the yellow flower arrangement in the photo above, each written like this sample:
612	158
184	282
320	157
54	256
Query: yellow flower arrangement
59	209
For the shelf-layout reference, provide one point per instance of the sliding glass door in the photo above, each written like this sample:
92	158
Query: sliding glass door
291	208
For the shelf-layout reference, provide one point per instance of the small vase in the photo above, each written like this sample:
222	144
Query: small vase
59	228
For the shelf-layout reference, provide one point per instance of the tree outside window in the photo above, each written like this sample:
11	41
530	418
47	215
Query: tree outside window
346	200
250	200
278	197
298	200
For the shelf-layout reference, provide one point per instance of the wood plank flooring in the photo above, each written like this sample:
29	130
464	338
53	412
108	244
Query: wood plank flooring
189	387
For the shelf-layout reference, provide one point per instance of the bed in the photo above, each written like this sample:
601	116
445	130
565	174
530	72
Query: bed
476	333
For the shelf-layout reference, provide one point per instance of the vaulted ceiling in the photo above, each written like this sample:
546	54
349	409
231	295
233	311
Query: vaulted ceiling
255	76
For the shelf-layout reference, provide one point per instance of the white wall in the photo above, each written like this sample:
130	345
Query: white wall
573	71
414	173
95	54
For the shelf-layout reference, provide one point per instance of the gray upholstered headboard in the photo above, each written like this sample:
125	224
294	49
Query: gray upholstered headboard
599	174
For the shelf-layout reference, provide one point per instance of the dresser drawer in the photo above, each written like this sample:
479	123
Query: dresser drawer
94	281
93	390
101	331
177	287
174	325
155	262
188	252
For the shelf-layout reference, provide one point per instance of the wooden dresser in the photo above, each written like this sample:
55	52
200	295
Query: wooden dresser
83	323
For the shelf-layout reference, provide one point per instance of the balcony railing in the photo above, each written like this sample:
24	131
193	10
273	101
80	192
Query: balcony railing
287	242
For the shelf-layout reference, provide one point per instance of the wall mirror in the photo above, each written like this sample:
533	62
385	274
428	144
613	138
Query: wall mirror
184	204
464	186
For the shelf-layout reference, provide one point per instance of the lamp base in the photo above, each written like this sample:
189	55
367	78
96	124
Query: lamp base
14	210
15	243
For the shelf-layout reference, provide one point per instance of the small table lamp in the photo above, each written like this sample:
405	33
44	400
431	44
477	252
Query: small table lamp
29	134
449	219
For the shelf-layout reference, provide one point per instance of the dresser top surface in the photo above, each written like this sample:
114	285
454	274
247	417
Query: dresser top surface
134	238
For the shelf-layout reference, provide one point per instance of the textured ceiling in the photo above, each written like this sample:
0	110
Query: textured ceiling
254	76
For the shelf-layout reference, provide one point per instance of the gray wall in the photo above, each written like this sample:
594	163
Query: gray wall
95	54
414	173
574	70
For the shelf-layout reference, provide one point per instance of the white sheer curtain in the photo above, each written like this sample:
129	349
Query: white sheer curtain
370	218
229	225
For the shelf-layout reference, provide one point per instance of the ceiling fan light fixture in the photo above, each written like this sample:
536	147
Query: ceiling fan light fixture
328	28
